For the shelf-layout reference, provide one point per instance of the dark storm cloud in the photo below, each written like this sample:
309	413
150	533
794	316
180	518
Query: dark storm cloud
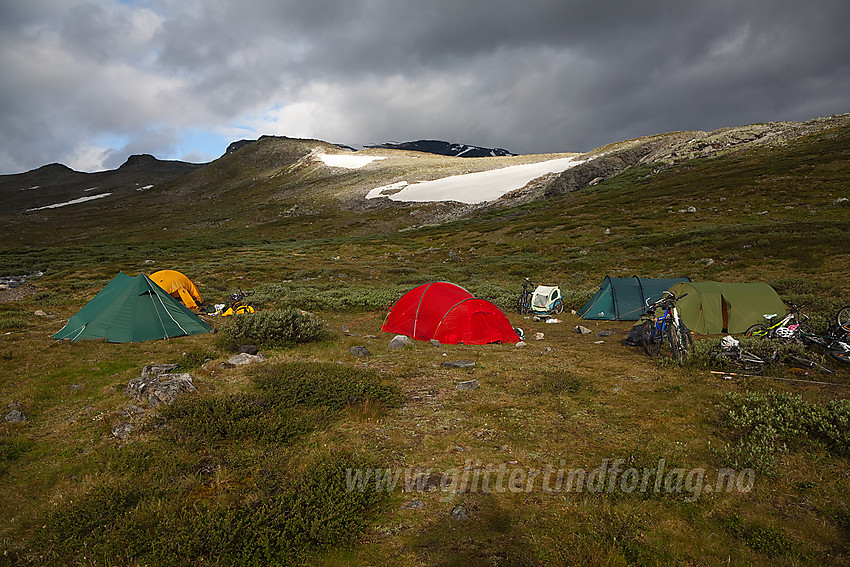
86	82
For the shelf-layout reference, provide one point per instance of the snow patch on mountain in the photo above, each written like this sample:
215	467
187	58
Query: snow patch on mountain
346	161
71	202
473	188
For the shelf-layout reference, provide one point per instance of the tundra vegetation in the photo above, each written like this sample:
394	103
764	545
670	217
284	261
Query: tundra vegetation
252	468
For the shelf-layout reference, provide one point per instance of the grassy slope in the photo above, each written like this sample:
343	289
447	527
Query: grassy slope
768	216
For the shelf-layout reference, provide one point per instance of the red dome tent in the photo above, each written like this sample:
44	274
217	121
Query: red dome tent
450	314
475	322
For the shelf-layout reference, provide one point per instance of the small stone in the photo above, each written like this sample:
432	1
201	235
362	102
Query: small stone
538	336
582	329
604	333
15	416
248	349
467	385
75	387
458	364
606	231
459	513
359	350
245	358
520	344
435	342
413	505
691	209
399	341
122	430
40	313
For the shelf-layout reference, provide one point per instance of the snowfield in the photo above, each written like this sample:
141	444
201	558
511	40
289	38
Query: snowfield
346	161
72	202
473	188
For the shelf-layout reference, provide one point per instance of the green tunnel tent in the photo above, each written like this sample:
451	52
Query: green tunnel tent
132	310
716	307
625	299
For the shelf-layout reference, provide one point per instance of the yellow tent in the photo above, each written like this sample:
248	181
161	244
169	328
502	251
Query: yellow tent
179	286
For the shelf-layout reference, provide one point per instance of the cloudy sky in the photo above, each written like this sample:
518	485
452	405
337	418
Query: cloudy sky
89	82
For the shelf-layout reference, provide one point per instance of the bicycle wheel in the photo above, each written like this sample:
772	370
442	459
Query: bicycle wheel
521	304
674	338
558	308
843	318
756	331
651	339
840	356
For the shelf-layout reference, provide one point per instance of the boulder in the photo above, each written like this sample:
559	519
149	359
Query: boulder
459	513
15	416
245	358
122	430
399	341
467	385
170	386
359	351
161	389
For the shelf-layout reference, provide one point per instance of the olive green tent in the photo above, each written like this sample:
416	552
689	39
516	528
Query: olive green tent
716	307
625	299
132	310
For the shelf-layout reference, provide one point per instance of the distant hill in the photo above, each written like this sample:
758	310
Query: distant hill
55	183
442	148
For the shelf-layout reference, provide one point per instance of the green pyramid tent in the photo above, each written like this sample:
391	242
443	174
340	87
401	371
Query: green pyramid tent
132	310
716	307
625	299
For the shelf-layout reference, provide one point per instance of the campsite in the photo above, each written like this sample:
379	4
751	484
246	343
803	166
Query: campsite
258	463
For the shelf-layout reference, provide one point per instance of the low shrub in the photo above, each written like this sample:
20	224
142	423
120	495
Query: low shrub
292	400
331	386
235	417
771	540
277	523
275	328
762	426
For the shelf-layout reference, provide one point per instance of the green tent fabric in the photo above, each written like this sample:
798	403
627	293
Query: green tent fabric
716	307
625	299
132	310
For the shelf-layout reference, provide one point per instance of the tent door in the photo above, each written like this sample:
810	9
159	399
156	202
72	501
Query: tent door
725	311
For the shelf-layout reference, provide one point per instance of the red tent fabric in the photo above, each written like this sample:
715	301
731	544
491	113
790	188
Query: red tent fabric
475	322
418	312
450	314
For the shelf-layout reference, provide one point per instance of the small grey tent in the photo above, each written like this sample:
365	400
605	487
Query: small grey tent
625	299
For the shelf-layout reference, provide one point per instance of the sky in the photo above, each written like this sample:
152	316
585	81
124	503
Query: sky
88	83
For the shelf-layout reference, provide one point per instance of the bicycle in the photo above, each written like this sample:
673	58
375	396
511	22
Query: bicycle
523	302
789	328
835	344
731	353
666	332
